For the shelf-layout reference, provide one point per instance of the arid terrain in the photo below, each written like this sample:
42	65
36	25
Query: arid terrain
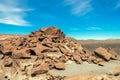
5	36
93	44
48	55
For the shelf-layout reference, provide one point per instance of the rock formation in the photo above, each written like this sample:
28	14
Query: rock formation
45	49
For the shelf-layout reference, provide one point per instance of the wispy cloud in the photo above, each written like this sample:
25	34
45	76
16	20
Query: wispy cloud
94	28
79	7
117	5
11	12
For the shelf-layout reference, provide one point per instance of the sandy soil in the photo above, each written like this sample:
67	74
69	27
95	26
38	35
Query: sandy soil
74	69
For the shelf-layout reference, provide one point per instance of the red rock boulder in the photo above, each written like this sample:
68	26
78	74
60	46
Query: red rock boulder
102	53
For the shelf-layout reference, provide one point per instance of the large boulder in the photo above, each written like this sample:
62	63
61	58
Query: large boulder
102	53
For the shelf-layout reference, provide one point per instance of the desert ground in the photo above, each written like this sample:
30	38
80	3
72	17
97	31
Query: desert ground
109	43
85	68
13	67
6	36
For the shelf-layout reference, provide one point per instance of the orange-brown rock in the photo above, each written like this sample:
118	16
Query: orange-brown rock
43	68
102	53
7	62
101	63
63	50
77	58
37	63
113	53
22	53
87	52
60	66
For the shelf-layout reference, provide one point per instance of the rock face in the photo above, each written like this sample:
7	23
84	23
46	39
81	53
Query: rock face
45	49
101	52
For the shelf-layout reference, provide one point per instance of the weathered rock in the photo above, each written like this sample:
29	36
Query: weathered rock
7	62
43	68
113	53
101	63
87	52
97	60
54	33
102	53
60	66
63	50
37	63
77	58
63	58
23	53
50	62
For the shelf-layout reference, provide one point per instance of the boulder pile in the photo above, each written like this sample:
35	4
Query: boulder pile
46	49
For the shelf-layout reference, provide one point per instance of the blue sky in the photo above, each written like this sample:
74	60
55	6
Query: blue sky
81	19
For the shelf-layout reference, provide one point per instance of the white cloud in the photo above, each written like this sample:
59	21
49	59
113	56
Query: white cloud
117	5
12	13
79	7
94	28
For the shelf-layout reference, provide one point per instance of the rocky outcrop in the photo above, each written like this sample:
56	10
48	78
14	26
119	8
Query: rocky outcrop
45	49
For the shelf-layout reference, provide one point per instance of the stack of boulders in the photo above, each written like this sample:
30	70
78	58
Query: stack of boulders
45	49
